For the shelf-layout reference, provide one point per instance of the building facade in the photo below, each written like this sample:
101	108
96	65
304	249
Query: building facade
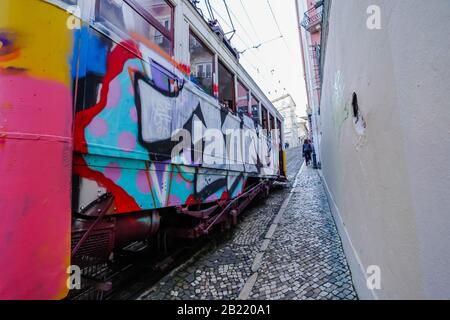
382	126
296	129
310	28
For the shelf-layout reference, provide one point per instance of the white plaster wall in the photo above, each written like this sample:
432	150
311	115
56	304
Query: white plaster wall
390	186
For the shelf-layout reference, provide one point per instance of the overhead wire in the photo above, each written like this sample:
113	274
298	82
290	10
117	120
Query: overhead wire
250	20
209	7
259	42
276	84
211	11
233	31
279	28
260	45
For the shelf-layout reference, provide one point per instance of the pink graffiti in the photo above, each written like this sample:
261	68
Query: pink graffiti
114	94
99	127
113	172
142	182
174	200
127	141
134	115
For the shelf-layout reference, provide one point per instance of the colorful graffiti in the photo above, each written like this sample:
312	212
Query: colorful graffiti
35	150
134	100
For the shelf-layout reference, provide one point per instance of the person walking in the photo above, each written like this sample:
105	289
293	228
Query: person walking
307	151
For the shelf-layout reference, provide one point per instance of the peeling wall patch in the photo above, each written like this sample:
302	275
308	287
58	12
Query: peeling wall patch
358	119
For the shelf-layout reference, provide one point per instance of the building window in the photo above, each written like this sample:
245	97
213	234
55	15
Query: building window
226	88
242	99
152	19
255	109
202	64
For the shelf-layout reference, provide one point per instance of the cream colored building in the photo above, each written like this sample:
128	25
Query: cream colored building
385	142
295	128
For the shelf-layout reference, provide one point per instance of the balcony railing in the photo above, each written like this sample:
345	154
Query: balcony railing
313	17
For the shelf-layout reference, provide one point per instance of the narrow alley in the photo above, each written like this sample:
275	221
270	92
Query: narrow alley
284	248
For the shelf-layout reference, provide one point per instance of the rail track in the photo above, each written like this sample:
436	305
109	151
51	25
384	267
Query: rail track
132	271
137	268
141	265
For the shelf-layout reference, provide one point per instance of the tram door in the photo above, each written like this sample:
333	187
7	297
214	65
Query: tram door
282	166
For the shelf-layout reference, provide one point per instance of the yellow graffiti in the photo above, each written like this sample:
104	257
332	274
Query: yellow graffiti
64	290
37	26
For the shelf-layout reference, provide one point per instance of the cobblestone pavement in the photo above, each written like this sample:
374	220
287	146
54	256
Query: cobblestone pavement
222	272
304	260
294	161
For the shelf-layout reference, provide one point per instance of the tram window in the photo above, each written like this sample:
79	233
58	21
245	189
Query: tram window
157	9
70	2
202	64
265	119
152	19
226	88
255	109
242	99
272	122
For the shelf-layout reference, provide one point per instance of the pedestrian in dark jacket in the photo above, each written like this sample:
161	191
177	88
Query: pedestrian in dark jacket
307	151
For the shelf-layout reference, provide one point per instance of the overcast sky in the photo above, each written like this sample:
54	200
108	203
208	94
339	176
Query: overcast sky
276	66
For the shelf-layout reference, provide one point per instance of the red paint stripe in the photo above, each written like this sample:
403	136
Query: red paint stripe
123	201
225	196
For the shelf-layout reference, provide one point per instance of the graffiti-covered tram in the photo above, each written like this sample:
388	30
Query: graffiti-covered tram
120	120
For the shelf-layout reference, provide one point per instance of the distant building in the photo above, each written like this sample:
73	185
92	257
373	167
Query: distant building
296	129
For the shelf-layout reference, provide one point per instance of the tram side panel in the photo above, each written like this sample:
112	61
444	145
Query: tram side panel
126	122
35	150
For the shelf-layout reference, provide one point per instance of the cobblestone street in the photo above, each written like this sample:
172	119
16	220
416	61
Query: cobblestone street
304	259
286	247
